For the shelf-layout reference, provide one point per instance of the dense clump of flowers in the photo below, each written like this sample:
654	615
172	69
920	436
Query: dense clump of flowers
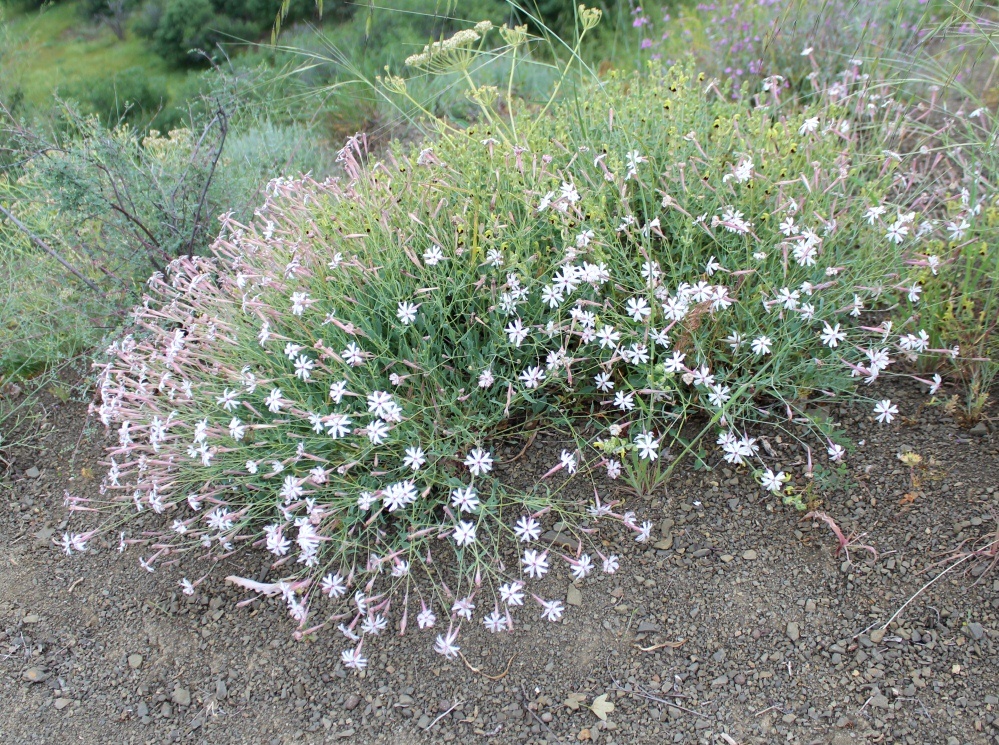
328	385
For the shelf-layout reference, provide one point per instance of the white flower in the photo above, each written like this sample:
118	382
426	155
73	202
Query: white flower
186	586
353	355
73	542
338	426
353	658
836	452
486	378
400	568
773	482
374	625
377	431
761	345
527	529
299	300
426	619
446	646
897	231
274	401
611	564
582	567
873	213
644	532
464	533
809	125
414	458
603	382
568	461
831	335
479	462
913	294
495	622
401	494
608	337
535	564
511	593
236	429
885	411
937	381
365	500
788	298
613	469
552	609
958	229
638	309
337	390
465	499
516	332
719	395
406	313
787	227
433	256
624	401
647	446
291	489
334	586
532	377
303	367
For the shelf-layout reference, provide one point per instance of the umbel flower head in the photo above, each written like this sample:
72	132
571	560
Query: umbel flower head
453	53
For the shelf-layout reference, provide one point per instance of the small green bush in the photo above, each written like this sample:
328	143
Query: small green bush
649	267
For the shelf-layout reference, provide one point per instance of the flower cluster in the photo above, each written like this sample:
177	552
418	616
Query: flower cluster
327	387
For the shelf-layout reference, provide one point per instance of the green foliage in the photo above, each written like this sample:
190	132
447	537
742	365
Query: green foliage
117	204
126	97
646	266
189	32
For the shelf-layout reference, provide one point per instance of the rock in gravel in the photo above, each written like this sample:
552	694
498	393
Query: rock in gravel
976	630
793	631
31	618
34	473
135	661
62	703
35	675
424	722
352	701
749	555
573	596
880	701
181	696
561	539
647	627
665	544
981	430
877	635
220	690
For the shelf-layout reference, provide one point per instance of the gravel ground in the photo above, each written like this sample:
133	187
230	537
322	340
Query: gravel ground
739	625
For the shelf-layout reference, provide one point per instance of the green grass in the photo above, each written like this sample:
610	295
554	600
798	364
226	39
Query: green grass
55	48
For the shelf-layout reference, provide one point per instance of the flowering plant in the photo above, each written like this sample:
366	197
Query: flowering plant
654	262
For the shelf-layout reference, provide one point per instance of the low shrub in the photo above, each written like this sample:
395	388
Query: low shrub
648	266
